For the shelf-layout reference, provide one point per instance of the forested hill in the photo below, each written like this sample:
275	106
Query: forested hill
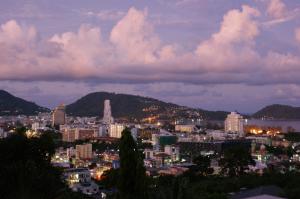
278	111
132	106
11	105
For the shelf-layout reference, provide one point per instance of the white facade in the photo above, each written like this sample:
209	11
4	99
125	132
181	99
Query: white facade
134	133
80	180
216	134
107	116
115	130
3	134
173	151
37	125
234	123
188	128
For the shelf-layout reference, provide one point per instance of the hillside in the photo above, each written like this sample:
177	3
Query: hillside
135	107
11	105
277	111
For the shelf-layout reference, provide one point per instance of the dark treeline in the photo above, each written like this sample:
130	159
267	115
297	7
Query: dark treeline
26	171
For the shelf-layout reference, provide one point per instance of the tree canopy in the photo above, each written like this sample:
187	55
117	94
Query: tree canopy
132	182
26	171
235	161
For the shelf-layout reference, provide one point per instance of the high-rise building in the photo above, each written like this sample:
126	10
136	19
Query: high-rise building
59	115
234	123
107	116
84	151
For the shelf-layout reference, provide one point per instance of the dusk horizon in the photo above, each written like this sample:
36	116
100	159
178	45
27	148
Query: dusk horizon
205	54
149	99
157	98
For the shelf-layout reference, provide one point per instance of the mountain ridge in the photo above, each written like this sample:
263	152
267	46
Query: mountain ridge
278	111
135	106
12	105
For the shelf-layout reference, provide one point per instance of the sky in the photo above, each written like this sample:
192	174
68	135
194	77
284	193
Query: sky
213	54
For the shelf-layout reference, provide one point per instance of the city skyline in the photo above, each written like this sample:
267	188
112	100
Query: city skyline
216	55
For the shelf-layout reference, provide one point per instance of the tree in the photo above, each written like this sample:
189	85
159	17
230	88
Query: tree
132	182
235	161
25	169
202	165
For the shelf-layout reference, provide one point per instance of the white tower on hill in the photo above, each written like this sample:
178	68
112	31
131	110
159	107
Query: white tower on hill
107	117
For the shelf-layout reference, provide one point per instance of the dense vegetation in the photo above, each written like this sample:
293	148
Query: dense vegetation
11	105
293	137
131	106
198	182
191	186
26	171
277	111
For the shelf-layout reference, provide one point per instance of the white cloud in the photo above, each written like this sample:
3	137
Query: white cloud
107	15
83	51
134	53
279	13
276	9
135	39
12	33
232	46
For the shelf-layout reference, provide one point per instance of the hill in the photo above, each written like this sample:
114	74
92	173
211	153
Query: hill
278	111
11	105
135	107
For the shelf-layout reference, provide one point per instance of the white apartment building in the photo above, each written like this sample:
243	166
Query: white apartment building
115	130
234	123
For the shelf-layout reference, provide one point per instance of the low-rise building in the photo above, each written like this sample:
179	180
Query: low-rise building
173	151
187	128
79	180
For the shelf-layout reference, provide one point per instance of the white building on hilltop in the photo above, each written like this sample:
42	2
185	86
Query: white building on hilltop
107	116
234	123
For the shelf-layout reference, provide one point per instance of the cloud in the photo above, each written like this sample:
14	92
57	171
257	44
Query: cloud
297	34
276	9
185	2
134	38
279	13
134	53
83	51
107	15
233	46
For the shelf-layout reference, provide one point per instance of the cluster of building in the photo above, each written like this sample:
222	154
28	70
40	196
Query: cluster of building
166	152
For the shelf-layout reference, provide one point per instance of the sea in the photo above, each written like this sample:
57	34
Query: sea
284	124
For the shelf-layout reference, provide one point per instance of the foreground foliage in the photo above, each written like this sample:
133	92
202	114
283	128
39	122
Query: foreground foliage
26	171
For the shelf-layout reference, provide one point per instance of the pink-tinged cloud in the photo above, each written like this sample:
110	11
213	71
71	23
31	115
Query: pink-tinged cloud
232	48
297	34
134	53
276	9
